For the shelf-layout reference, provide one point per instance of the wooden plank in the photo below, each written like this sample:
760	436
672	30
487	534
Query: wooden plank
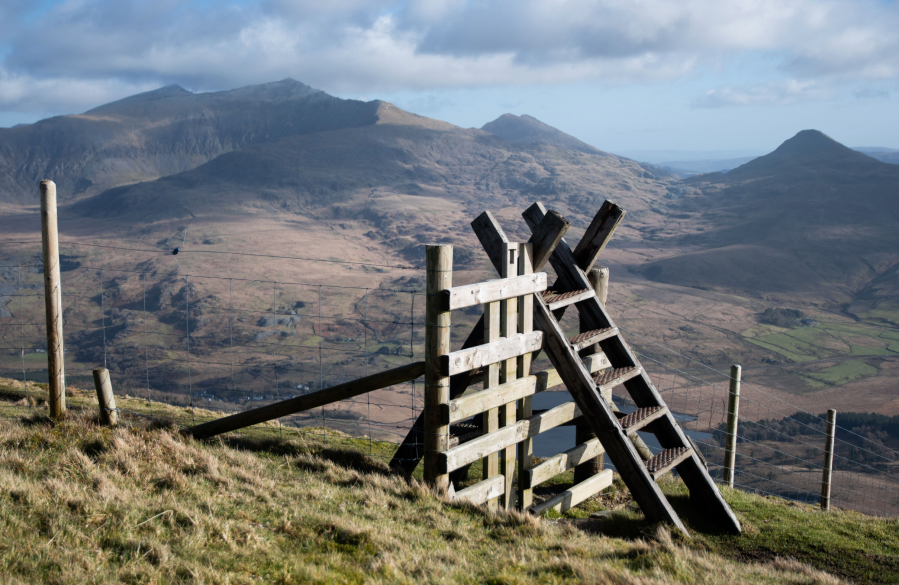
583	433
490	418
500	439
546	237
483	491
525	406
493	352
509	371
598	234
438	277
550	378
477	402
481	293
548	469
576	494
308	401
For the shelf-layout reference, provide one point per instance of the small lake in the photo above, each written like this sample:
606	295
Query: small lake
559	439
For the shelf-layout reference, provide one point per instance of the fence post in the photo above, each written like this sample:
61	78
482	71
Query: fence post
437	343
827	472
733	413
56	370
599	280
105	398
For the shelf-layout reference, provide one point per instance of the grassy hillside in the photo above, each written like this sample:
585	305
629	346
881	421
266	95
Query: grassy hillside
142	504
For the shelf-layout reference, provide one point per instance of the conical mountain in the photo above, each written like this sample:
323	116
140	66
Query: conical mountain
809	149
812	216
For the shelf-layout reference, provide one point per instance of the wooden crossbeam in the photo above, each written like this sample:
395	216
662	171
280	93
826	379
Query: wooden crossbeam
576	493
460	297
473	358
308	401
483	491
507	436
562	462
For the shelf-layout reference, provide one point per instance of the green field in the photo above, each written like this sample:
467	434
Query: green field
826	341
842	373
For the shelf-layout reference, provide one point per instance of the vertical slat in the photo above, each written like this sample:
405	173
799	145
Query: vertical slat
583	433
56	368
730	440
509	369
437	343
827	472
490	418
525	405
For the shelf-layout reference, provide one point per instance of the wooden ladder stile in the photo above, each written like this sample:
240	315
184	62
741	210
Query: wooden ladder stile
678	451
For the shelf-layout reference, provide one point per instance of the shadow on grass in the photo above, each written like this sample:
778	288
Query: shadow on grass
343	457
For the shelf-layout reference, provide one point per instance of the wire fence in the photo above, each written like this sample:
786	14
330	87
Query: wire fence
225	344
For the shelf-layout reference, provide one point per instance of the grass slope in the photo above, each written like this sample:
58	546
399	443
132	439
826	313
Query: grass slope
143	504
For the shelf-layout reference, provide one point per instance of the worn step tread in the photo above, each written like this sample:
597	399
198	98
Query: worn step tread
462	432
557	299
641	417
663	462
613	377
582	340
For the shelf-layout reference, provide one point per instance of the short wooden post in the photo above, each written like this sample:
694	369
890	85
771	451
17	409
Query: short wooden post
439	277
109	416
599	280
56	369
733	411
827	472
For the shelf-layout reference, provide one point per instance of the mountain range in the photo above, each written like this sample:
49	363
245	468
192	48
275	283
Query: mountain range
808	210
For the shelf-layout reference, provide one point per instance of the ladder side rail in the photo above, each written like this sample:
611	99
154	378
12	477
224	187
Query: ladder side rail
641	388
603	421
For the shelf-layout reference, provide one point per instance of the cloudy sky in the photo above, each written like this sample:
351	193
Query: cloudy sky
732	76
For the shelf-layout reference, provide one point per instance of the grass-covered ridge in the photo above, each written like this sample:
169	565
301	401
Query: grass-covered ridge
144	504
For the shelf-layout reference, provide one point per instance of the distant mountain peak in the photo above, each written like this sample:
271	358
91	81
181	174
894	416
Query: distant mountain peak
807	149
529	129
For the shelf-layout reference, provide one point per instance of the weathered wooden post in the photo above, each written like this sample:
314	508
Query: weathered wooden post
437	343
109	416
525	405
730	441
599	280
56	370
827	472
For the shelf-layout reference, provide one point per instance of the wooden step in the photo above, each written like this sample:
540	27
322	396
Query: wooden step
608	379
463	432
667	460
582	340
641	417
557	300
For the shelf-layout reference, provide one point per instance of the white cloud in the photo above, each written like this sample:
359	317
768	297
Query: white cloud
103	49
773	93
